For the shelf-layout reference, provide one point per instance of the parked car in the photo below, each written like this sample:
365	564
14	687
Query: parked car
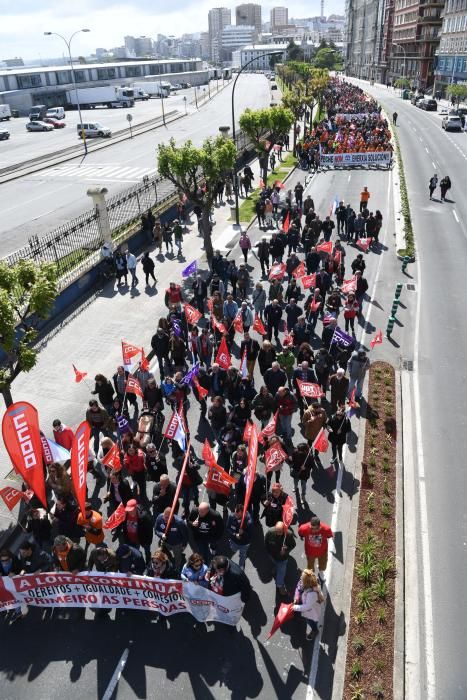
443	111
4	134
56	113
39	126
92	130
274	86
452	123
415	99
428	105
185	86
175	86
56	123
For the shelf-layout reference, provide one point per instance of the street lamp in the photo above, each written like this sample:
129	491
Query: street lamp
263	53
184	99
68	45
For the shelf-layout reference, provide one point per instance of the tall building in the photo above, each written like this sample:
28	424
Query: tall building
451	65
234	37
218	18
279	17
249	14
364	37
139	46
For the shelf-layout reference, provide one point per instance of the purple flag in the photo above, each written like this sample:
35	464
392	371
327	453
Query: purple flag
190	269
190	374
177	327
341	338
122	424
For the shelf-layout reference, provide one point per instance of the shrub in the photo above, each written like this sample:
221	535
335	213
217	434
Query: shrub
377	690
379	665
377	640
365	599
357	693
356	670
370	501
385	567
386	509
381	589
358	645
368	522
381	616
365	571
360	619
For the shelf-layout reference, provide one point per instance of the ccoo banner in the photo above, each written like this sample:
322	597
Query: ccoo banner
99	590
333	160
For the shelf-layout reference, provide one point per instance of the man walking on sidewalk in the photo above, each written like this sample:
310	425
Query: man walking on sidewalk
131	265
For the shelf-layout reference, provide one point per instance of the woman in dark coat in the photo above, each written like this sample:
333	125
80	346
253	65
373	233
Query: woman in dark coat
339	426
104	390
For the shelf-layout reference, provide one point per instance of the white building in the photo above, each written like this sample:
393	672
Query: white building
260	52
218	18
235	37
279	17
249	14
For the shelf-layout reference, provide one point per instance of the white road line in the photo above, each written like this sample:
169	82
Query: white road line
428	600
455	215
433	165
335	510
426	149
420	139
348	179
116	675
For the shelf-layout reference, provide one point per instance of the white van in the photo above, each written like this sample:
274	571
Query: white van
92	130
56	113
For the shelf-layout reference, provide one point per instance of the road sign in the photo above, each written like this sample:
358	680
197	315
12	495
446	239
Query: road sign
129	117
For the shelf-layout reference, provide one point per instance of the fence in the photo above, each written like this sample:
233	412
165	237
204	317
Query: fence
75	246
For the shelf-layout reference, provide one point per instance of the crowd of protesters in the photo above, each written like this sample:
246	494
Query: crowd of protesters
279	332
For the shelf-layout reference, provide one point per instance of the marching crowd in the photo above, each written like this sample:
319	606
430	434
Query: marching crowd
278	349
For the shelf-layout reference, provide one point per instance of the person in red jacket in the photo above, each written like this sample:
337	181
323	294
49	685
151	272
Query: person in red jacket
316	535
135	465
173	296
63	435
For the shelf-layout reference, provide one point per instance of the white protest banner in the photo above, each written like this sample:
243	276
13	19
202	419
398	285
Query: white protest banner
358	115
333	160
100	590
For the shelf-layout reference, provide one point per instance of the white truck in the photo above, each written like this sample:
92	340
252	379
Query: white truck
154	88
5	113
140	94
106	96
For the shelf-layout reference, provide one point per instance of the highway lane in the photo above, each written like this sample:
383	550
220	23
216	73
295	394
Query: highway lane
442	251
37	203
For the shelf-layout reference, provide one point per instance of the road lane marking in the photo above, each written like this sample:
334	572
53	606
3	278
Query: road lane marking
426	149
348	179
116	675
455	215
433	164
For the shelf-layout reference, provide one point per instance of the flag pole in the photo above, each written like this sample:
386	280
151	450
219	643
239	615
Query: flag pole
179	486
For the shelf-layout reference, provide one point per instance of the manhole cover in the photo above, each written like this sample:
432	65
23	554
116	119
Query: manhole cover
408	365
411	287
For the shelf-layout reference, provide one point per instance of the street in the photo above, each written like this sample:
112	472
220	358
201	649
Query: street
438	349
38	203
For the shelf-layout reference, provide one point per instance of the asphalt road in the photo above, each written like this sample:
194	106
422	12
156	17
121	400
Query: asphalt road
441	234
38	203
52	656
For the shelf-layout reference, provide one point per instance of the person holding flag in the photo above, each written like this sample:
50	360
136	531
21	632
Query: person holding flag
279	542
308	599
239	534
339	427
250	347
357	366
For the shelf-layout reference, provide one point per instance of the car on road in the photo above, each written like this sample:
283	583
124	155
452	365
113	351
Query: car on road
175	86
185	86
56	123
452	123
443	111
92	130
4	134
38	126
428	105
415	99
273	86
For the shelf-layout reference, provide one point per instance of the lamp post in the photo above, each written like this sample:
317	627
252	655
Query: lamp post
68	45
235	183
184	100
162	101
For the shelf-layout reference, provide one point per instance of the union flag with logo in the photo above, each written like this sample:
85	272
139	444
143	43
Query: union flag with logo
223	358
273	457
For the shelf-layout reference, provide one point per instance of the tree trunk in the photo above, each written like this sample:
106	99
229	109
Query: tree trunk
7	397
206	220
295	138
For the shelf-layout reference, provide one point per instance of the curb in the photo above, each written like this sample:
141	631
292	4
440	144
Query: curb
399	602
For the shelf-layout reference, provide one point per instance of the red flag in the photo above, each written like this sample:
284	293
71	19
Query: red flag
172	427
337	257
223	358
79	462
21	435
261	182
364	243
377	340
133	386
247	431
79	376
258	326
202	392
11	496
309	390
321	442
308	281
116	519
243	365
352	402
216	324
299	270
112	458
208	455
250	468
144	364
288	339
219	481
314	306
277	271
324	247
238	323
286	224
192	315
271	427
279	184
349	285
274	456
288	510
210	304
128	352
284	613
179	486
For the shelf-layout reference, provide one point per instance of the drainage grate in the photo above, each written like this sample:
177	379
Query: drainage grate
410	287
408	365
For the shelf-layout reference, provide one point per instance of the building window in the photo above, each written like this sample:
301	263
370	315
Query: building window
132	71
63	77
29	81
106	74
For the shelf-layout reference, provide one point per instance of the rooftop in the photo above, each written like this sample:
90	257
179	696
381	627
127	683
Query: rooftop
82	66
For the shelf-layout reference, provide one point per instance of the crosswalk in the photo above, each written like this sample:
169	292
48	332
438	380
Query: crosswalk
112	172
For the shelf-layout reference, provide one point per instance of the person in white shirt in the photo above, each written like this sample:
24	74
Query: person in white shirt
131	265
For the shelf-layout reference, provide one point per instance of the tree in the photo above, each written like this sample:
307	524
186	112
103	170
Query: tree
294	52
293	100
27	294
325	58
402	83
265	126
274	59
457	93
196	172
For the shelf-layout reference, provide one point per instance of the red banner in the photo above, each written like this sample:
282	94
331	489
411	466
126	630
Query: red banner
133	386
11	496
364	243
21	435
286	224
309	390
208	455
288	339
192	315
324	248
288	510
217	324
321	442
223	358
308	281
299	270
172	427
128	352
277	271
284	613
238	323
219	481
210	304
271	427
116	519
79	462
79	376
349	285
250	468
258	326
112	458
273	457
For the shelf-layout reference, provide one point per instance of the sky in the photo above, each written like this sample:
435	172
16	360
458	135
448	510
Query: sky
23	22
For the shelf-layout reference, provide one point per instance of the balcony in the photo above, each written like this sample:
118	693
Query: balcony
430	19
